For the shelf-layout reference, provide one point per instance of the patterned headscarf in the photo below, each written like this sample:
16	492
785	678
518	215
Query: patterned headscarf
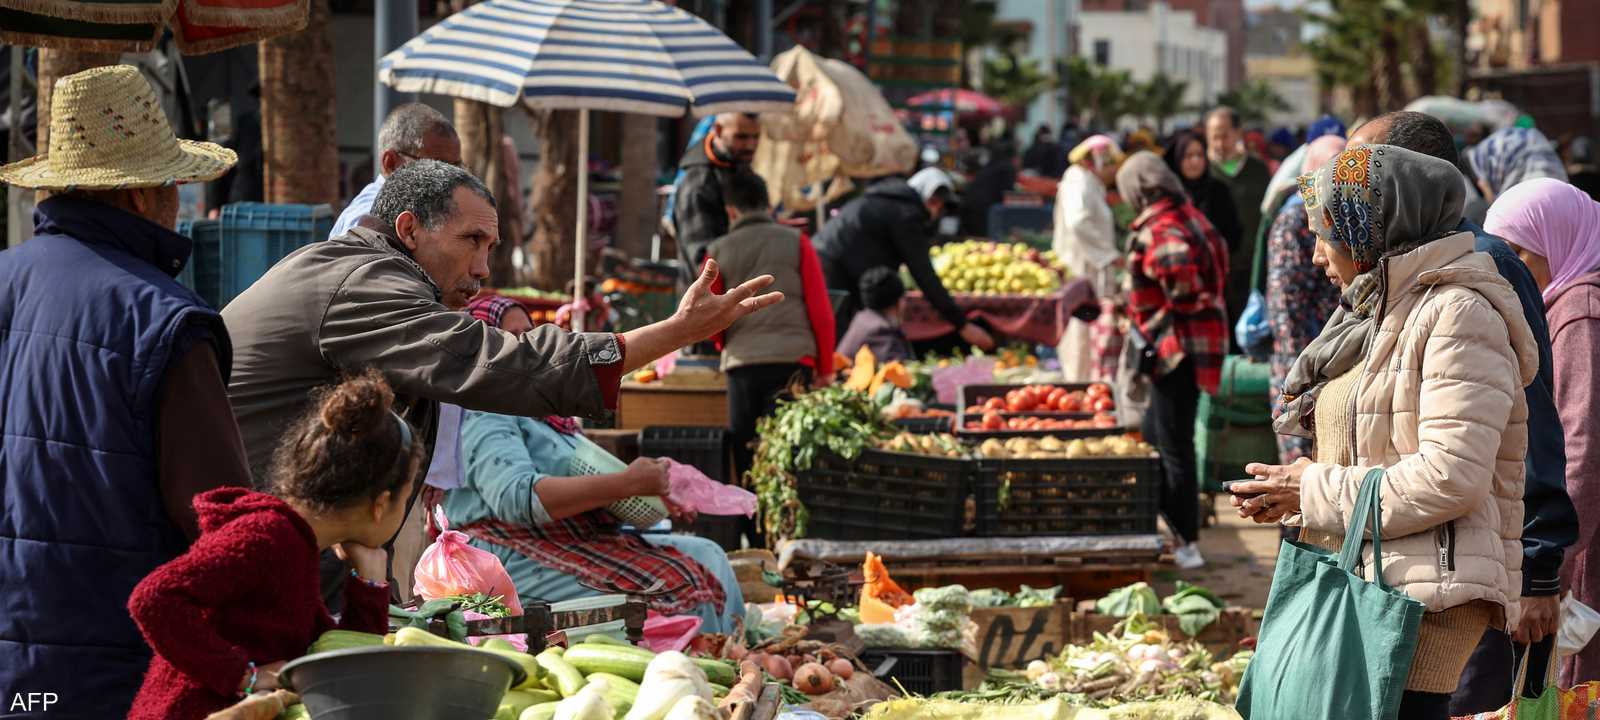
1553	219
1375	200
1514	155
492	309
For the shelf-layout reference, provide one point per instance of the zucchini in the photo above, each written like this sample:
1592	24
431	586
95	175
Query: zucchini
416	637
295	712
542	711
566	679
718	672
719	691
499	644
604	639
620	691
515	701
344	640
593	658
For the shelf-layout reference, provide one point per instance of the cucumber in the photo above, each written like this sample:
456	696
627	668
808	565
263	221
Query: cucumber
591	658
620	691
417	637
718	672
542	711
566	679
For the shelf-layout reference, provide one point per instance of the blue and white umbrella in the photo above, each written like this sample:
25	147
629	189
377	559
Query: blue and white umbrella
637	56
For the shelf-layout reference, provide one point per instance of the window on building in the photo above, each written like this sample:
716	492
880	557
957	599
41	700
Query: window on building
1102	52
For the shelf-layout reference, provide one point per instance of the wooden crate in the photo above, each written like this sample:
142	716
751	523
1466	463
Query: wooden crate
640	406
1012	637
1221	637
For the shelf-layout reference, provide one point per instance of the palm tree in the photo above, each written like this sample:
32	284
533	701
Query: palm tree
1372	48
1015	81
1160	98
299	149
1255	101
554	198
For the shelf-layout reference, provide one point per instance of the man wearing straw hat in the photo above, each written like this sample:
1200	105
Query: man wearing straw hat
113	394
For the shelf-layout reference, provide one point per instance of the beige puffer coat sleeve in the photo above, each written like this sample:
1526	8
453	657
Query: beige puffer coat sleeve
1469	379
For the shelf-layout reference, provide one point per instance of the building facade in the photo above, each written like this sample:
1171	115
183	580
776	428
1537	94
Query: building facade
1158	39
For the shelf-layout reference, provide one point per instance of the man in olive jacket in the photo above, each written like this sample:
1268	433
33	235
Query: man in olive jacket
386	295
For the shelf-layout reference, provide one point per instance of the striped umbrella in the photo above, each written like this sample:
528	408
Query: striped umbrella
199	26
638	56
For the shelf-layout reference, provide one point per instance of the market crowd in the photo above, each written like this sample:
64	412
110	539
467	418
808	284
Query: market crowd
242	480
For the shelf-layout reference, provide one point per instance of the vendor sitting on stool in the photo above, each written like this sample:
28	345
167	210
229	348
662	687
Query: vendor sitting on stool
519	501
878	326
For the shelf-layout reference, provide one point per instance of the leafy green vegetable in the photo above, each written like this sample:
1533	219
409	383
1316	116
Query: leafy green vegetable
1124	601
1028	597
1195	606
491	605
991	598
827	420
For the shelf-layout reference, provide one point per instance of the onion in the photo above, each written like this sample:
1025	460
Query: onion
841	668
778	667
813	679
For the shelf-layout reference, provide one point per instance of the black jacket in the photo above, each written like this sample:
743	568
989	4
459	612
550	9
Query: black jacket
885	227
699	215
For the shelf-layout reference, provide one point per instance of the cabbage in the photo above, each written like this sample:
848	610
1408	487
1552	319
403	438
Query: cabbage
1136	598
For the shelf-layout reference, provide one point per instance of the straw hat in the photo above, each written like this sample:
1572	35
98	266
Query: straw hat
108	132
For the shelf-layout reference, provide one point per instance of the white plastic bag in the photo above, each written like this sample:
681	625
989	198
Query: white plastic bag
1578	624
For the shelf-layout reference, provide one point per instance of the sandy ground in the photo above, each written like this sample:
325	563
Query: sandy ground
1239	559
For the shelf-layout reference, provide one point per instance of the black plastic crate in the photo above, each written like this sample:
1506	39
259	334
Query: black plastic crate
705	448
920	672
970	395
1056	497
925	425
885	496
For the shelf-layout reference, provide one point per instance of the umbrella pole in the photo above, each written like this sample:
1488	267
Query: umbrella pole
583	220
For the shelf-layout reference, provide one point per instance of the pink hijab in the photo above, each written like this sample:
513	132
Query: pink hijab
1554	219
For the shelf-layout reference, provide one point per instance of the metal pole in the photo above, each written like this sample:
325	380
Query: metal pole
583	220
14	219
764	30
394	22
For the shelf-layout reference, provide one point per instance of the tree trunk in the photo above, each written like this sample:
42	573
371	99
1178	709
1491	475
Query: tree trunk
481	127
1390	80
637	219
1424	65
554	198
299	147
54	65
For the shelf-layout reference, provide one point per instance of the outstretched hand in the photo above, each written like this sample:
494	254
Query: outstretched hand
703	314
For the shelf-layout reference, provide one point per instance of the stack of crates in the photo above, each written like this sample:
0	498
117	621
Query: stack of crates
235	251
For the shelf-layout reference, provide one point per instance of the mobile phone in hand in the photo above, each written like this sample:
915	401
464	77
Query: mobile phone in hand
1227	486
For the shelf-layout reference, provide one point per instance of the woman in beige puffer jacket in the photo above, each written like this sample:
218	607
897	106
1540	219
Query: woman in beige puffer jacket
1419	373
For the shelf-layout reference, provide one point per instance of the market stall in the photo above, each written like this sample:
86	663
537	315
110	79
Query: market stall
1040	320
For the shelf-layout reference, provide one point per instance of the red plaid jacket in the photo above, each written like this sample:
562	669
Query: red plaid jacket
1177	264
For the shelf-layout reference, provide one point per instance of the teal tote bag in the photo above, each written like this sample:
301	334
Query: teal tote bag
1332	645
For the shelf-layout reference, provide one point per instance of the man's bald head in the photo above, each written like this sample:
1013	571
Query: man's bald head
1414	131
736	135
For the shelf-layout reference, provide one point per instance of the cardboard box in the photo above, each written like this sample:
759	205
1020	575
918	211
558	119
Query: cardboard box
1012	637
641	406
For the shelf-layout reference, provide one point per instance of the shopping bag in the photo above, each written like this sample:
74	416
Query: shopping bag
1578	703
1332	645
692	490
1252	332
451	567
1578	625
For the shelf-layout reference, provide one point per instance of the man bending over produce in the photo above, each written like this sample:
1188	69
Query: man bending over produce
385	296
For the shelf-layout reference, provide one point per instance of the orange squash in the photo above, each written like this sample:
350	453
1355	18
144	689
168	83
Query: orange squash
861	374
880	595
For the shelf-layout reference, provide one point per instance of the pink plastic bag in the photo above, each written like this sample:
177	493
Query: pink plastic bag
674	632
692	490
452	567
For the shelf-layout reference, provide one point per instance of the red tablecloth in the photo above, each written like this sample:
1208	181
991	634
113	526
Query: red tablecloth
1036	319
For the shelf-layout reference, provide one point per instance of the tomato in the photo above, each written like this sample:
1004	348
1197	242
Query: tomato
1053	399
995	404
1099	390
1070	402
1104	404
974	425
992	421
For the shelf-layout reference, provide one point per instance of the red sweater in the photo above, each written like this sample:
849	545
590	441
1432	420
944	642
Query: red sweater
246	591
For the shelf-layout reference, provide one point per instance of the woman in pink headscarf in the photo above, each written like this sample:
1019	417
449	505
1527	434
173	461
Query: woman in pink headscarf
1299	298
1555	229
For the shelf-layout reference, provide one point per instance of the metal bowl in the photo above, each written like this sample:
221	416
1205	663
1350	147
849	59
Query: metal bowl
401	683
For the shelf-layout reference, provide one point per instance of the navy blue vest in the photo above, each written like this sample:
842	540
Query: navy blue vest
90	318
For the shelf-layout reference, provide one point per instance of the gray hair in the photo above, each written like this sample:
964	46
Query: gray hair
409	125
427	189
